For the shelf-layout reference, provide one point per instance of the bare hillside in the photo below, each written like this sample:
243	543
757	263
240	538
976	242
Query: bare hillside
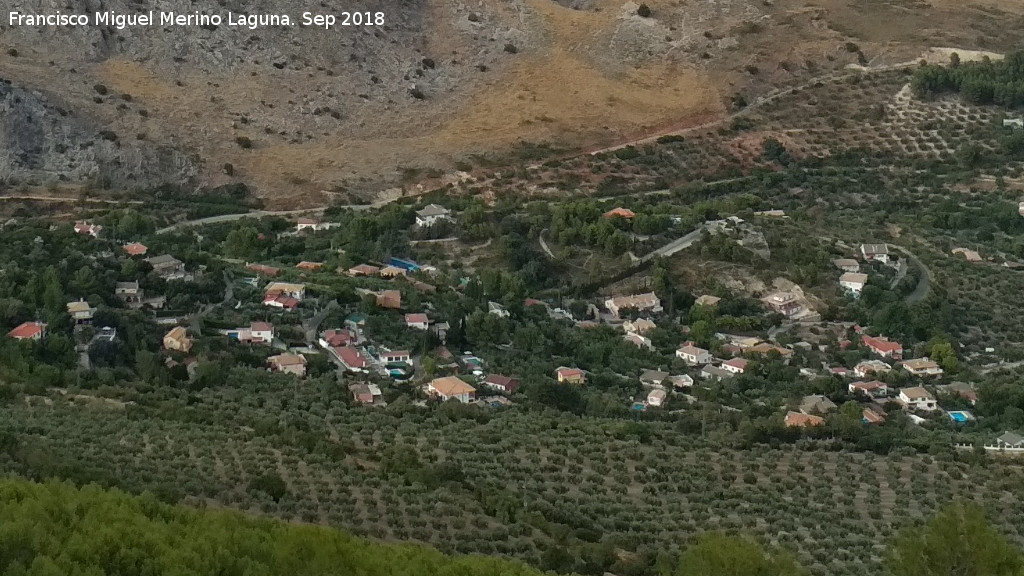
296	112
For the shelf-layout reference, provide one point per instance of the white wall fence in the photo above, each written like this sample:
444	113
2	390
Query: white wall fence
990	448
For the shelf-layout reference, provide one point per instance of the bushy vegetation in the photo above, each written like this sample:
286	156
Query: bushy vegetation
981	83
57	529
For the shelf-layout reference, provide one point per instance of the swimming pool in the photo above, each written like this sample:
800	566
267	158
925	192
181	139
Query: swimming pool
960	416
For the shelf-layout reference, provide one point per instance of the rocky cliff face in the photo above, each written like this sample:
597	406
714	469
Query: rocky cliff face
43	144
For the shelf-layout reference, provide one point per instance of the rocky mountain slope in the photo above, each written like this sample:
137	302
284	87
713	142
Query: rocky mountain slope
303	114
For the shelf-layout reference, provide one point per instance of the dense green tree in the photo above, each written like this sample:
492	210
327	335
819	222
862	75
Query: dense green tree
958	541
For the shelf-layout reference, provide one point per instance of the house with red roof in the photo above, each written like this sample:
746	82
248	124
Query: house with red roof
263	269
351	359
363	270
735	365
621	213
135	249
874	388
88	229
883	346
418	321
396	357
29	331
336	338
800	420
570	375
501	383
280	300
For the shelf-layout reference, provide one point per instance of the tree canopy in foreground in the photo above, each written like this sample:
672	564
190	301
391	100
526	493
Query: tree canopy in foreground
958	541
57	529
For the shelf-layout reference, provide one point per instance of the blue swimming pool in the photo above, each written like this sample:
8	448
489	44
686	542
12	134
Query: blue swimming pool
960	416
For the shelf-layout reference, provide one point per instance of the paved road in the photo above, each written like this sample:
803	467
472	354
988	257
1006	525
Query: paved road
63	199
676	245
544	245
924	282
263	213
311	325
195	321
239	216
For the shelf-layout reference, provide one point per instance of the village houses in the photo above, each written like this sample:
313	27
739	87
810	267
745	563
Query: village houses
917	398
294	364
641	302
846	264
921	367
883	347
167	267
874	388
501	383
432	214
178	340
418	321
451	387
853	282
81	312
29	331
875	252
570	375
693	355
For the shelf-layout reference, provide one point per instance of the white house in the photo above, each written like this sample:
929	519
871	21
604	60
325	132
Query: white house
1013	122
497	309
639	326
867	367
874	388
418	321
847	264
432	214
311	225
693	355
853	282
681	381
648	301
879	252
638	340
656	397
921	367
917	398
735	365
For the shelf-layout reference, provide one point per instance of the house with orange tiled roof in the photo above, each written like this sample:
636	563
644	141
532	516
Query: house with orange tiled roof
800	420
390	299
177	339
135	249
363	270
29	331
883	346
570	375
620	213
874	388
263	269
451	387
294	364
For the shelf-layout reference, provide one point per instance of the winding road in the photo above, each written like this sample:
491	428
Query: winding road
923	283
